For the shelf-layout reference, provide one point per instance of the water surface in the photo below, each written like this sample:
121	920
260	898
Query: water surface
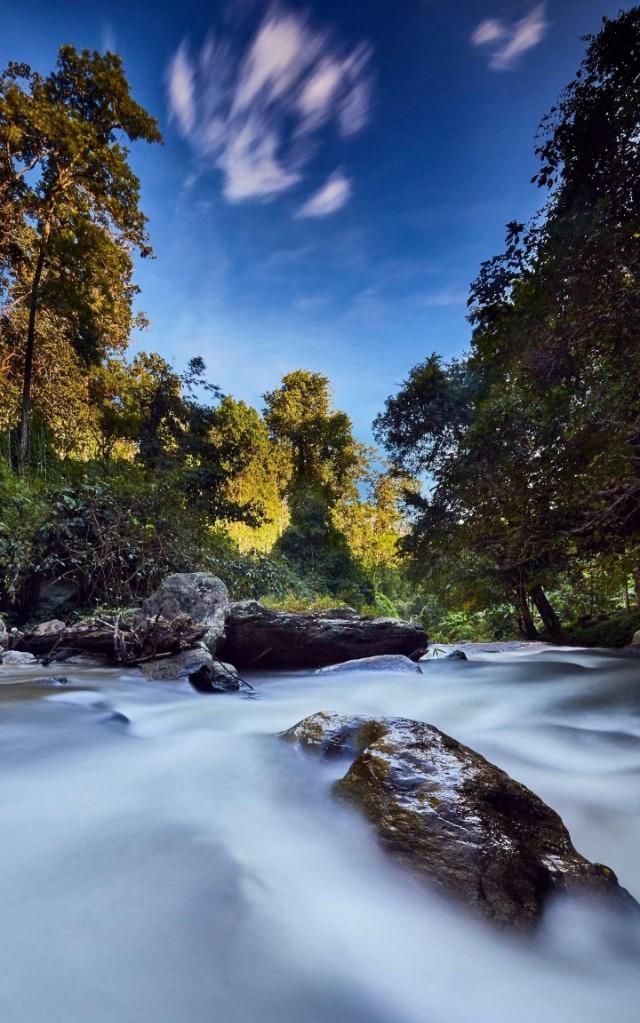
189	867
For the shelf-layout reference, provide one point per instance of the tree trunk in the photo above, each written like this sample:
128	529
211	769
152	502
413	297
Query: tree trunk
636	585
23	444
550	619
525	618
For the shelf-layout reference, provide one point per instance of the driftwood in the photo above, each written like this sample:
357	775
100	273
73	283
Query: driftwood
131	641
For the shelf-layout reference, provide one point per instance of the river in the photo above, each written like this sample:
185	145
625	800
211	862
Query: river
189	867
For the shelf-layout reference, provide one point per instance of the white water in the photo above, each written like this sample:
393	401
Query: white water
192	868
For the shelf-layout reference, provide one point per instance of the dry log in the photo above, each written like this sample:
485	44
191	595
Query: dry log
119	642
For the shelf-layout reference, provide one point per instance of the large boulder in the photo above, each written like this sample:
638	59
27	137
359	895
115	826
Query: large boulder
200	595
257	637
455	819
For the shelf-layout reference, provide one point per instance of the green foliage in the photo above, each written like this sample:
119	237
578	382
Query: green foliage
531	445
71	202
615	630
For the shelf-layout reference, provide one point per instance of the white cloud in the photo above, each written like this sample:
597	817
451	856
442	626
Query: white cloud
335	192
515	39
488	31
255	111
181	90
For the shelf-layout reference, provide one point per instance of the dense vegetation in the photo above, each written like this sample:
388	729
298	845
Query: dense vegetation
114	471
531	443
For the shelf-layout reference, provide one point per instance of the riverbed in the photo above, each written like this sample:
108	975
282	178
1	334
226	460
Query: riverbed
166	858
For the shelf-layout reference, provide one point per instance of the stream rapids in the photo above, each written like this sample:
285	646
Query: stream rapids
189	867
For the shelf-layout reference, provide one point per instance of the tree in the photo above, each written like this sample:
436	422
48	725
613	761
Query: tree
323	452
71	200
326	461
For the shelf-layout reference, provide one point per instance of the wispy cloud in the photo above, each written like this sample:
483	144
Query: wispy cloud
255	111
444	298
329	199
108	41
508	41
181	91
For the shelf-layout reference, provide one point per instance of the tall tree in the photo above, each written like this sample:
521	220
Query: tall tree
71	200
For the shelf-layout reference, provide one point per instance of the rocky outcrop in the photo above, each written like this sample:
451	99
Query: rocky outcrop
257	637
379	662
200	595
455	819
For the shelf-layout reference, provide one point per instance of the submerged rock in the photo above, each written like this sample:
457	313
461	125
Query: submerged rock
176	666
216	677
200	595
456	820
379	662
258	637
456	655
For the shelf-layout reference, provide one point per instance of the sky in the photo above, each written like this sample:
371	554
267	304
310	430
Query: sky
332	174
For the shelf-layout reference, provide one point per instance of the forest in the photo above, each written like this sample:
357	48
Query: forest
504	498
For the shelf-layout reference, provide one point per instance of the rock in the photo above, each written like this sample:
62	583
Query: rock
456	655
17	658
258	637
54	598
83	661
217	677
51	628
54	680
636	639
117	718
165	669
200	595
455	820
379	662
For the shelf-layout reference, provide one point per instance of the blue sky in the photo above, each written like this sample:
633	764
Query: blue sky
332	174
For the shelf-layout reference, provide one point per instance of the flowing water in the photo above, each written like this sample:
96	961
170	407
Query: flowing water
190	867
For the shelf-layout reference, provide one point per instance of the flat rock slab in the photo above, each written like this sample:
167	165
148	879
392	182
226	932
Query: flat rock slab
177	666
257	637
456	820
378	663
